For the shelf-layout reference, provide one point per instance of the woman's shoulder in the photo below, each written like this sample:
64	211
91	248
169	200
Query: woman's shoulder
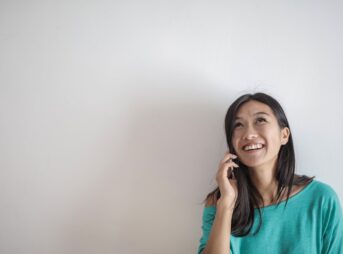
323	191
323	188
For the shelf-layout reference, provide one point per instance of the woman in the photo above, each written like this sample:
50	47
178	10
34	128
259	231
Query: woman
260	204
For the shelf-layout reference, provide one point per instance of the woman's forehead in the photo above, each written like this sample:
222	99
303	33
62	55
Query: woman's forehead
253	108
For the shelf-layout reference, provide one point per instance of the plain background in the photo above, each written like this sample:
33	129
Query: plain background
112	113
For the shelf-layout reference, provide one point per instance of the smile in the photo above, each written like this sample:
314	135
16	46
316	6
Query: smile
253	150
252	147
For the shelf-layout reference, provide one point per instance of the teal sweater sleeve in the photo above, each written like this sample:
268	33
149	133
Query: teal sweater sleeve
332	224
208	216
207	221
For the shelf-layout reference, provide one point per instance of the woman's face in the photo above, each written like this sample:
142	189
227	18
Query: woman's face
256	129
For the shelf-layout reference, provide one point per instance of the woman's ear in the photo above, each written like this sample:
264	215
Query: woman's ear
285	132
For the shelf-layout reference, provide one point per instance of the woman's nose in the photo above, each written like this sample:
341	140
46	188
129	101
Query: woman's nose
250	134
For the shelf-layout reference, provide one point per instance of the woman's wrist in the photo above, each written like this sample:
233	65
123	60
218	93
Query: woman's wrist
224	206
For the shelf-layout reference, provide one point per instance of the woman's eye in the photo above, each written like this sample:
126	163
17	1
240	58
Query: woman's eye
258	120
237	124
261	120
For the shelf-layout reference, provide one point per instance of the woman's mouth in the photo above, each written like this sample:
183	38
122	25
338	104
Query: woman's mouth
253	148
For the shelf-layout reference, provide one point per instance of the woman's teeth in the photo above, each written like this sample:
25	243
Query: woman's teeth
252	147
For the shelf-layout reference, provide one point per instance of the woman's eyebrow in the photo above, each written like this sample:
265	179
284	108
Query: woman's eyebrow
257	113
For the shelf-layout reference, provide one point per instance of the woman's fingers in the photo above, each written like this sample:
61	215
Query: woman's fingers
234	164
228	156
229	163
225	170
226	179
226	166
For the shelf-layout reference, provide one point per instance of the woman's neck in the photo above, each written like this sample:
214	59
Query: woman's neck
266	183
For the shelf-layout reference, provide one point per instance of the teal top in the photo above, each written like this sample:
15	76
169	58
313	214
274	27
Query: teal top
311	222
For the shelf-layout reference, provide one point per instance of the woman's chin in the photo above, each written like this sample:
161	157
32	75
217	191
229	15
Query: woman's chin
251	164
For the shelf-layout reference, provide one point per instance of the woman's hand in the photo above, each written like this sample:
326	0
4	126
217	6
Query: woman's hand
228	187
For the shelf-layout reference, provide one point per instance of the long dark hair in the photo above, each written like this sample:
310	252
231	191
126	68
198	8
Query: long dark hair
248	196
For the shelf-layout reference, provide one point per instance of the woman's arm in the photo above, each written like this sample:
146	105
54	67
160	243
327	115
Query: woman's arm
219	239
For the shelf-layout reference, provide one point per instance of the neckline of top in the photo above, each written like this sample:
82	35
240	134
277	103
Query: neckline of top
295	196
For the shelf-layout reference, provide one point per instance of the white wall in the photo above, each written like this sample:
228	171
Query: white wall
112	113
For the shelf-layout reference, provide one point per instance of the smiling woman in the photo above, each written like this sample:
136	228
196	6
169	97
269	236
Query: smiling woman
262	178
